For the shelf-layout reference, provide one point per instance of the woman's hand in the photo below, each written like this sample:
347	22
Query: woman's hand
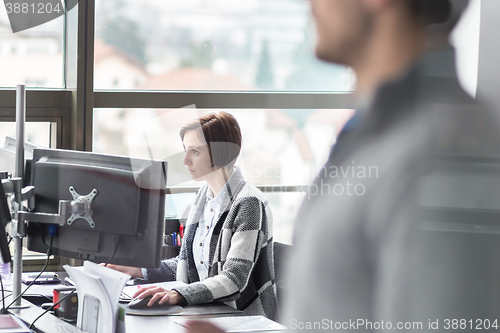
135	272
164	296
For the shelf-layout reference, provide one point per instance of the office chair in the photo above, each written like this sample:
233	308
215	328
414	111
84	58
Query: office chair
281	252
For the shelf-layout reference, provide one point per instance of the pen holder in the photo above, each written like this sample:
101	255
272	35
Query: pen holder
169	251
171	226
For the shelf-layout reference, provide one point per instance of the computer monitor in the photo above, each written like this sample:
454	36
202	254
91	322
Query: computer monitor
126	225
8	157
4	220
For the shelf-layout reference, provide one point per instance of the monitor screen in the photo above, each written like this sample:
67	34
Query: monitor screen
8	157
4	219
126	203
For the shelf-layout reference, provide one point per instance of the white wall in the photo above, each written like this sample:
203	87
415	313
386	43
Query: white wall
465	38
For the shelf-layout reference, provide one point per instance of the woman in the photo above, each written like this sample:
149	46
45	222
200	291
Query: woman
227	252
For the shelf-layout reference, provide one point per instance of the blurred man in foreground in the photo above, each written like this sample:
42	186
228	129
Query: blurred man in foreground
415	245
401	228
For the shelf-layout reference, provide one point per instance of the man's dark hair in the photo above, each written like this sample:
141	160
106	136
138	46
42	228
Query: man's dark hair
442	13
431	11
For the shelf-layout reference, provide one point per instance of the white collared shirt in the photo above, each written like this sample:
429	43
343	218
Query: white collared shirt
203	235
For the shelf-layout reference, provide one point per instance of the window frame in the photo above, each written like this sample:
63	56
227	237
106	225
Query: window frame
71	108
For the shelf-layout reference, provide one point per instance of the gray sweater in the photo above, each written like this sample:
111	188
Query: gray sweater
241	268
418	245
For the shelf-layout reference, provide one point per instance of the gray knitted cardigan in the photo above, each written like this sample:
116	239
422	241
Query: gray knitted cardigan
241	266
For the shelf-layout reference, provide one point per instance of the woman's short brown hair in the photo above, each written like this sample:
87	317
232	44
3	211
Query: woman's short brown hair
222	134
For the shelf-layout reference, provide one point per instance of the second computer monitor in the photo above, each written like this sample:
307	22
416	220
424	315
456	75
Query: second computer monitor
125	198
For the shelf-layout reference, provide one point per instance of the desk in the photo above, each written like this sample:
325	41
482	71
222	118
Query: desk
47	323
155	323
133	324
51	324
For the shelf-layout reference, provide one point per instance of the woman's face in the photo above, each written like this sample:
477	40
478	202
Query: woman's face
197	157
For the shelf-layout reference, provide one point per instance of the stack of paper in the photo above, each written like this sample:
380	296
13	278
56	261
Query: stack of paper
99	291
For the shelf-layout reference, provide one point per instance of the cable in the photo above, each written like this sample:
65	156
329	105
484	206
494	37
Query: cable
117	243
3	295
49	253
51	308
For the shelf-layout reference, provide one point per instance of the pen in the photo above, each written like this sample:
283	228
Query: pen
181	230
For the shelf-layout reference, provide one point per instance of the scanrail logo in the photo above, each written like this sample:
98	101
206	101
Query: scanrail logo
26	14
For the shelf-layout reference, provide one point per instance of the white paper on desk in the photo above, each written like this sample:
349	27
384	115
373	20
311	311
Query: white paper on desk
90	287
113	280
240	323
103	284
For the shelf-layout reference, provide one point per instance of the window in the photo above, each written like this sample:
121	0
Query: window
36	132
252	58
280	148
216	55
211	45
33	57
